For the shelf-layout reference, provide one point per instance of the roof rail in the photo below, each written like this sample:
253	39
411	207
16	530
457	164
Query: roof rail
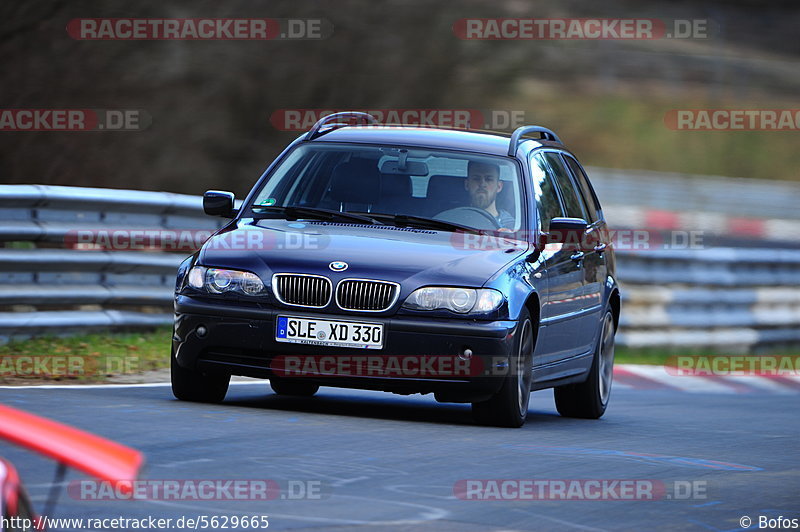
547	134
330	120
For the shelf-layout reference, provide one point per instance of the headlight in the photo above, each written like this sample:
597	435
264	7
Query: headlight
460	300
218	281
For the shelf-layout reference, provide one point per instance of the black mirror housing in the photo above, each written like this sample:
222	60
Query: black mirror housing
567	230
219	203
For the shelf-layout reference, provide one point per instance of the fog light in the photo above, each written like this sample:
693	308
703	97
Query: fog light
201	330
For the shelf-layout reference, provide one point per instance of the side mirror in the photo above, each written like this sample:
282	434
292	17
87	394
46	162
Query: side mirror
567	230
219	203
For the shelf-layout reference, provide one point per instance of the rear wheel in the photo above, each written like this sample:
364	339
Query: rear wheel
290	387
188	385
509	406
589	399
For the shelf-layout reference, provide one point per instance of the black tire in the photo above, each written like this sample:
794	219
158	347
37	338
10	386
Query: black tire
188	385
293	387
509	406
589	399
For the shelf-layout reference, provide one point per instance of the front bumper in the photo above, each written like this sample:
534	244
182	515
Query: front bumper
240	340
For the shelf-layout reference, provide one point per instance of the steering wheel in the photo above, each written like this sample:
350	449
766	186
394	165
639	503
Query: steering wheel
471	217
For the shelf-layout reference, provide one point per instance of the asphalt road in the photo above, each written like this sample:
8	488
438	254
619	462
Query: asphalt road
378	461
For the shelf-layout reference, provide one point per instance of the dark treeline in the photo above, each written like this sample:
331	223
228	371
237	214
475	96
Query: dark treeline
210	102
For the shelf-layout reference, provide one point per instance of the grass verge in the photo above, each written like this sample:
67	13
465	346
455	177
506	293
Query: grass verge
93	358
85	358
626	132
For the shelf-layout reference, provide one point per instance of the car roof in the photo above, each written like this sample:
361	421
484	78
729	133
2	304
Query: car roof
455	139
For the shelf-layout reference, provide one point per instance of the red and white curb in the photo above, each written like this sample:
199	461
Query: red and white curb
647	377
626	377
619	216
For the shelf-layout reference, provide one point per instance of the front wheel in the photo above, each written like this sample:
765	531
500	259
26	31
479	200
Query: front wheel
188	385
509	406
589	399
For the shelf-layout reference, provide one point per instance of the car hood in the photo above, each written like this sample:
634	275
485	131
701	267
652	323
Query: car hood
412	257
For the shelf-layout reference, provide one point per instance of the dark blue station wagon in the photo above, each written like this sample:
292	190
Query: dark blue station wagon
465	264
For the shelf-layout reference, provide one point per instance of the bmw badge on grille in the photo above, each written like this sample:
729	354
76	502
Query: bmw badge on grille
338	266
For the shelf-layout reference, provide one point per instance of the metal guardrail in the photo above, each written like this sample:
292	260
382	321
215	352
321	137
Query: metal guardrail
736	299
731	298
46	289
703	194
40	213
17	325
711	266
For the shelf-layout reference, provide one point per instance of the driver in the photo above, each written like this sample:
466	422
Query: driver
483	184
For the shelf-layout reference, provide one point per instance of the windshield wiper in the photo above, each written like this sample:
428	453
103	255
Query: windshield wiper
422	222
294	212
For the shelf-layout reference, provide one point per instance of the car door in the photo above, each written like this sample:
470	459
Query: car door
561	303
595	270
582	322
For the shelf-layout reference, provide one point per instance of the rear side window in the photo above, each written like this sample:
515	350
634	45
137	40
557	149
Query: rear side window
547	203
589	197
573	203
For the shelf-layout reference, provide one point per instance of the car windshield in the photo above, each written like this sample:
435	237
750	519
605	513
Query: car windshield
394	184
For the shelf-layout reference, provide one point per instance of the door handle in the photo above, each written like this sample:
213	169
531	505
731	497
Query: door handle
600	248
577	256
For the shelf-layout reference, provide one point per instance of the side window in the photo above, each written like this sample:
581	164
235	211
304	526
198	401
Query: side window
589	197
573	204
547	203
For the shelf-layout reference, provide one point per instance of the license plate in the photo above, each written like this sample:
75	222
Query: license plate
329	332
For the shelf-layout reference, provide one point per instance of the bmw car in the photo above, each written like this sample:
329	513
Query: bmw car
467	264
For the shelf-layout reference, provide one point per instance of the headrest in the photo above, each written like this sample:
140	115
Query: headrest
395	186
356	181
447	188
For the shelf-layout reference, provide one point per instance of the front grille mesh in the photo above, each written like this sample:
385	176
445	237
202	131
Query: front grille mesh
357	294
303	290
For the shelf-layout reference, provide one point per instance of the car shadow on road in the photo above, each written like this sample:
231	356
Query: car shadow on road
377	406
